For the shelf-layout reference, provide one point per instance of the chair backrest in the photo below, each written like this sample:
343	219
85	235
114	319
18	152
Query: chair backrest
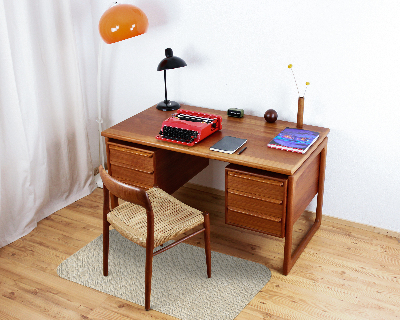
124	191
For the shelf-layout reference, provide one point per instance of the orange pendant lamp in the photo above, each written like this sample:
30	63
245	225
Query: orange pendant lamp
119	22
122	21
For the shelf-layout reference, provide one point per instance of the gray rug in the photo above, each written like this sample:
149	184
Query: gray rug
180	286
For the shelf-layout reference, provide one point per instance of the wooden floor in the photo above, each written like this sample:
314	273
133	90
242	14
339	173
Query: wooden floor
344	273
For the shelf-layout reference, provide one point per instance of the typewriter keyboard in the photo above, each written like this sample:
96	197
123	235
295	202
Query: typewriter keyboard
178	134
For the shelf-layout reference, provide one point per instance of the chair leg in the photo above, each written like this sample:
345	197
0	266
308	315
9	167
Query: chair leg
106	245
148	274
207	245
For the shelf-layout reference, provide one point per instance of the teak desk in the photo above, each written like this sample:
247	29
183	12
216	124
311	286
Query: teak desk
267	190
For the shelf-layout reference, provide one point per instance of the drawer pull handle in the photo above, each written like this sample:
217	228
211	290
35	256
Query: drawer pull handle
256	215
140	153
253	197
275	183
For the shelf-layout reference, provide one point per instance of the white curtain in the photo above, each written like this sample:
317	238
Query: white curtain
45	159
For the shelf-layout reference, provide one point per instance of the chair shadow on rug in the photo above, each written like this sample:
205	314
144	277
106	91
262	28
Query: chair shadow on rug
150	219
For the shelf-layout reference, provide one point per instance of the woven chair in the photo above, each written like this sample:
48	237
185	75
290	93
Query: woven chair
149	219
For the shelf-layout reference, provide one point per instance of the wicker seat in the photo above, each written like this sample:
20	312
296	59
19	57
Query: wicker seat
171	218
149	219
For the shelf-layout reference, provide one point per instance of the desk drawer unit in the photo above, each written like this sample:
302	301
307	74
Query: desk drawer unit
132	165
145	166
255	199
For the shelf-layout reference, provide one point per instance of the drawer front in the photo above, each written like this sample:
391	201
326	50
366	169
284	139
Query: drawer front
248	221
268	208
133	177
260	186
130	157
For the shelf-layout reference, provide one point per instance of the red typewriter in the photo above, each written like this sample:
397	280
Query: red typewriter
189	127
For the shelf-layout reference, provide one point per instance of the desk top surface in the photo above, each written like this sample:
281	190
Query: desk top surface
144	126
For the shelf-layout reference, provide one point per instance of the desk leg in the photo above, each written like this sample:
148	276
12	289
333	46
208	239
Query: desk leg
289	259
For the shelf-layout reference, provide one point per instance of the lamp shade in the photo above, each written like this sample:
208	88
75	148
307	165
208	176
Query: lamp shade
170	62
122	21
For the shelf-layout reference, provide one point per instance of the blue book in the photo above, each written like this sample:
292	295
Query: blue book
294	140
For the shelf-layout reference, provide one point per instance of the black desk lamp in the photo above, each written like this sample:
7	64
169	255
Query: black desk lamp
169	62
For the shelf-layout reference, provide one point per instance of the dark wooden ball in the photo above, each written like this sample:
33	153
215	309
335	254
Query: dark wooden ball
270	115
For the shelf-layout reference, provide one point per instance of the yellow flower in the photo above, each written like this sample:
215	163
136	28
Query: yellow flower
307	83
289	66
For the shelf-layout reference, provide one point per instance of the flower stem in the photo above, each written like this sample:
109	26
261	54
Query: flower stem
295	82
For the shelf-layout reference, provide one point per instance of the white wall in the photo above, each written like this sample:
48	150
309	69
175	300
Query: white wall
237	54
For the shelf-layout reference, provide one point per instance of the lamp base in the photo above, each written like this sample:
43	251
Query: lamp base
168	105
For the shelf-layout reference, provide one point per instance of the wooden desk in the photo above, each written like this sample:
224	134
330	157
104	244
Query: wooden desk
137	157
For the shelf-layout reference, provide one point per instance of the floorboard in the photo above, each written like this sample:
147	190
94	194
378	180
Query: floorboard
346	272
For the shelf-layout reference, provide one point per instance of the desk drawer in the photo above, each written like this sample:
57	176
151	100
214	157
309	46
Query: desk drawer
133	177
269	208
262	186
255	199
130	157
250	220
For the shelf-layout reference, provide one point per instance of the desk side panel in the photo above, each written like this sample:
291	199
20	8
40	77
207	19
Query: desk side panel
306	182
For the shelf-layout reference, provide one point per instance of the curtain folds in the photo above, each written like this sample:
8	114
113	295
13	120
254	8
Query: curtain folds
45	161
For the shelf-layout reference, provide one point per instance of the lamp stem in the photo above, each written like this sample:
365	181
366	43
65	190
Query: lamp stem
99	119
165	83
